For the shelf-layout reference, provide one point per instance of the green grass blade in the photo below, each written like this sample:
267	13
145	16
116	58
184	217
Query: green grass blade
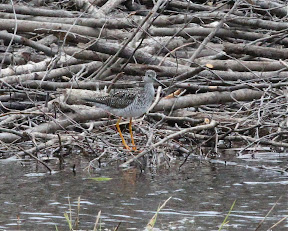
226	218
68	221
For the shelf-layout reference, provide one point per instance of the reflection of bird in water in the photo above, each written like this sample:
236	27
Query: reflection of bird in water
129	103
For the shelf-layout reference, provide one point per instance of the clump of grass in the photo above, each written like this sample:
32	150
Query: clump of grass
97	226
68	217
75	225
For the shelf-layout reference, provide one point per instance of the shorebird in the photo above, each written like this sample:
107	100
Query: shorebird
129	103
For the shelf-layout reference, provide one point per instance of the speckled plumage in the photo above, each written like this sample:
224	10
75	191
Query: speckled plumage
129	103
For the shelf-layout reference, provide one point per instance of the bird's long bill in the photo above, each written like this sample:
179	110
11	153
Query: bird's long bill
161	84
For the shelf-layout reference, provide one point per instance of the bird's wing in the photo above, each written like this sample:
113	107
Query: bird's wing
120	99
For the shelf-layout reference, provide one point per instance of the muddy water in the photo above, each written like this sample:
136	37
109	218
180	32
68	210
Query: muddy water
202	193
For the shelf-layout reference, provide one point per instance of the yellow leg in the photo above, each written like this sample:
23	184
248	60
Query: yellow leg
120	133
131	133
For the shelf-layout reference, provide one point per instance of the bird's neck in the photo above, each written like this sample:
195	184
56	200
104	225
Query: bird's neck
149	86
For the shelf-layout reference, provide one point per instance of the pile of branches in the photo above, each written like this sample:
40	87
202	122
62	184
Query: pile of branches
223	63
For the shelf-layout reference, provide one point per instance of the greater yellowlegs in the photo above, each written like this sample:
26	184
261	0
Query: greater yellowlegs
129	103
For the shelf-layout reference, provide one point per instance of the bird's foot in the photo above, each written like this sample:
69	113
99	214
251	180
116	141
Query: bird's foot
134	148
127	147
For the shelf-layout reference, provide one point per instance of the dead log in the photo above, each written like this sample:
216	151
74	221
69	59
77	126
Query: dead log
58	28
245	66
207	98
256	51
36	11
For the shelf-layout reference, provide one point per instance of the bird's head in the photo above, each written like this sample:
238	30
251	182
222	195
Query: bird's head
150	77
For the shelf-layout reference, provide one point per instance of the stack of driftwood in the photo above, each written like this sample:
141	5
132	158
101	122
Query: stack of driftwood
224	64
